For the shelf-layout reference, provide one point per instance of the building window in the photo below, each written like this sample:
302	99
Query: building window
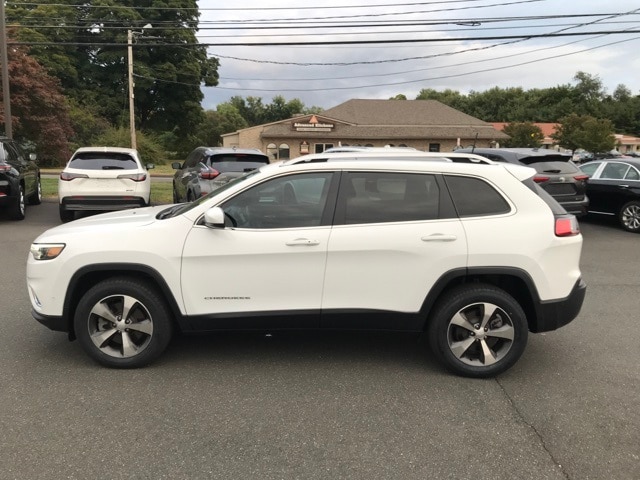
283	152
321	147
278	153
434	147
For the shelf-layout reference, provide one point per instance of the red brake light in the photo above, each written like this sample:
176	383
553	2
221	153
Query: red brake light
5	168
541	179
581	178
567	226
66	176
136	177
208	174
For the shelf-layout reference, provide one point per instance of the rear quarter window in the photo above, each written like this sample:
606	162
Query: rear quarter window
474	197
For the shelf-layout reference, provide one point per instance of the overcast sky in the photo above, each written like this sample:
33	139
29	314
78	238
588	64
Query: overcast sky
328	75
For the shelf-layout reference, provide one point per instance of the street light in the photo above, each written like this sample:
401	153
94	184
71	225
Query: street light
132	117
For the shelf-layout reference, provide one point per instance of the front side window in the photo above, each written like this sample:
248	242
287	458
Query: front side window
590	168
474	197
292	201
381	197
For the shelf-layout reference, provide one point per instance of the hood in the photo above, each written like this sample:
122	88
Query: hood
122	219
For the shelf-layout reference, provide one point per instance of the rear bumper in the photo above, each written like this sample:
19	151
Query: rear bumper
556	313
578	209
109	203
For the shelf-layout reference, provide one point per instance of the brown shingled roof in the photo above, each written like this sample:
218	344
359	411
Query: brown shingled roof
401	113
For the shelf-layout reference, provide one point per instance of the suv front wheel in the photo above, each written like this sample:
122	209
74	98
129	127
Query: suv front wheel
123	323
477	330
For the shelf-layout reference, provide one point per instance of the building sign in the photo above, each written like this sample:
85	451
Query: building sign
313	125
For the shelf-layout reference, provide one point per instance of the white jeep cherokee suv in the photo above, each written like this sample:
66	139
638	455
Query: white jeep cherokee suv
474	255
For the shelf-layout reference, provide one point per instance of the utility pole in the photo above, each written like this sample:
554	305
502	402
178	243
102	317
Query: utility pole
132	117
4	59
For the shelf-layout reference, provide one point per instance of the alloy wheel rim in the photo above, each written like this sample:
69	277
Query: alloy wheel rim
120	326
480	334
631	217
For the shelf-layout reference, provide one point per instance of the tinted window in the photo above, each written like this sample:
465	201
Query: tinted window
632	174
590	168
614	170
474	197
554	167
285	202
381	197
103	161
235	162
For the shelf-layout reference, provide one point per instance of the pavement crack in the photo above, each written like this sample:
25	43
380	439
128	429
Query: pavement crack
565	474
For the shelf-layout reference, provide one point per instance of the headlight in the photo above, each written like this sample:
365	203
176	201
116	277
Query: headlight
46	251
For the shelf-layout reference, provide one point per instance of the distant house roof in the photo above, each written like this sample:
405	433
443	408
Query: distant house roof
388	119
547	129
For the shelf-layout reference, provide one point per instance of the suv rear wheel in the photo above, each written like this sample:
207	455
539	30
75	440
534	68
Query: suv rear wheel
123	323
478	331
17	210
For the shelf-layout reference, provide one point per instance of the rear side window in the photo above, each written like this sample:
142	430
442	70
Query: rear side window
382	197
103	161
474	197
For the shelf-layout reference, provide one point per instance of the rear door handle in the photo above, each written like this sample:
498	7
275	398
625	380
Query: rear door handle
305	242
439	237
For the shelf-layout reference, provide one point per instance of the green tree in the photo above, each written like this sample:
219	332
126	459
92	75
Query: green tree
584	131
523	135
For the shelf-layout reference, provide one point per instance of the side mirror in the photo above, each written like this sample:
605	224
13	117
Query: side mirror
214	218
176	165
150	166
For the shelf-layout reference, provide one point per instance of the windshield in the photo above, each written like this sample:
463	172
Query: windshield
181	208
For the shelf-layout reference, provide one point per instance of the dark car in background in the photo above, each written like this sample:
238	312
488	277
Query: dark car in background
208	168
19	179
557	174
614	189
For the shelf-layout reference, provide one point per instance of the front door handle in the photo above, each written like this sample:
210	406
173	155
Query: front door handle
439	237
305	242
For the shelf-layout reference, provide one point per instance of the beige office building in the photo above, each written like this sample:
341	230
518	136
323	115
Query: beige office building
423	124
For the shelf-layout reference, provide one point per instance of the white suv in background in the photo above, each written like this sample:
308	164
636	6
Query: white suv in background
103	179
474	255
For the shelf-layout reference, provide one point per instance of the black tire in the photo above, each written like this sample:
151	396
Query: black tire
17	209
66	215
629	216
36	197
471	343
123	323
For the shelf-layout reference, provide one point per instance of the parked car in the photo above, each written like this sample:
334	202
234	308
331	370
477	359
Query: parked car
614	189
103	179
208	168
19	179
557	174
331	241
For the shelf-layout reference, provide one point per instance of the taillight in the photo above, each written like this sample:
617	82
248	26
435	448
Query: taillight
136	177
208	174
541	179
581	178
567	226
5	168
67	177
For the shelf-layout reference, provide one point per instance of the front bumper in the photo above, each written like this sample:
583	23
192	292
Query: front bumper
58	324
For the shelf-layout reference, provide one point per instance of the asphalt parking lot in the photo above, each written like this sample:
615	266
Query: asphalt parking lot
325	406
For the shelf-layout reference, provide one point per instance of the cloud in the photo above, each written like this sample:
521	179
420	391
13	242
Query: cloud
325	76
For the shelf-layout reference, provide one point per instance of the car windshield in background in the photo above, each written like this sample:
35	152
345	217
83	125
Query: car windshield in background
98	161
